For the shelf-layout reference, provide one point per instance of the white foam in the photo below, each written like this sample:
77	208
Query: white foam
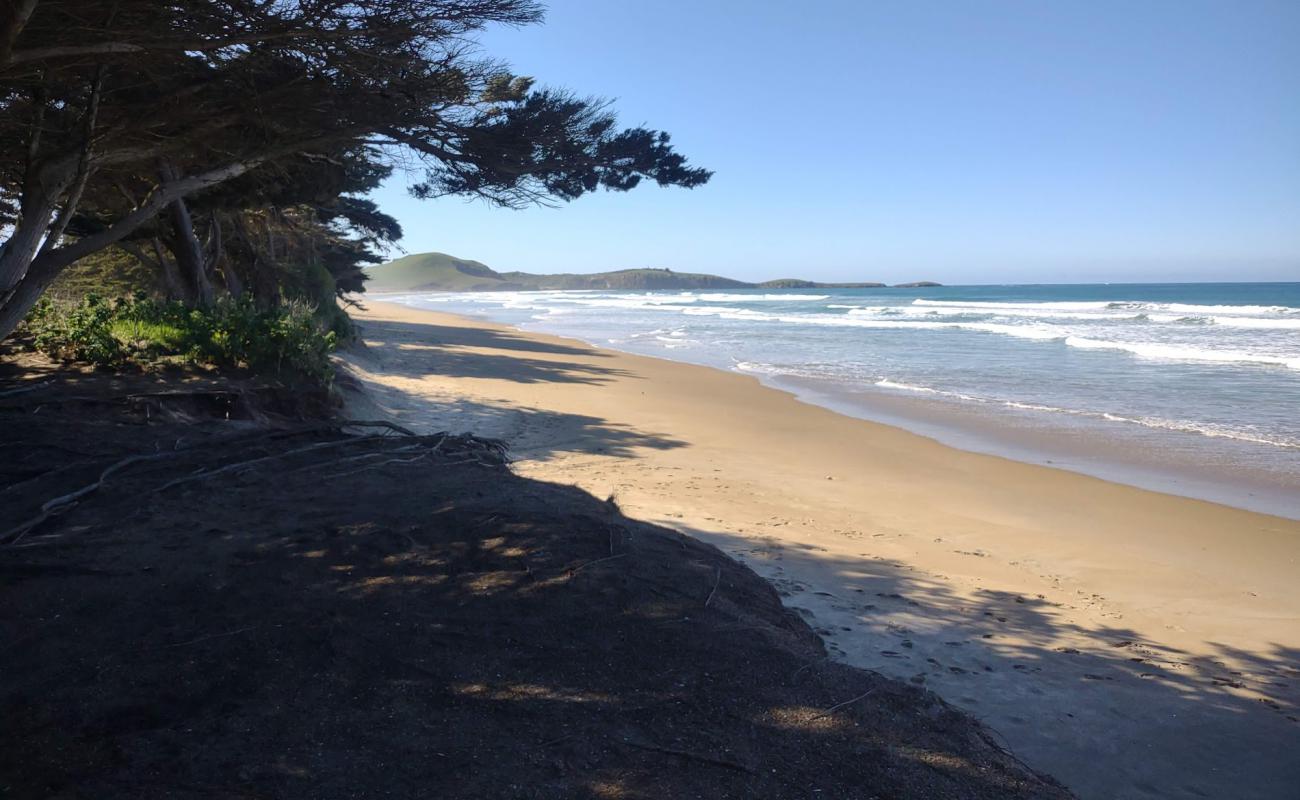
1254	322
1066	306
1101	305
1005	312
721	297
1184	353
1202	428
1188	308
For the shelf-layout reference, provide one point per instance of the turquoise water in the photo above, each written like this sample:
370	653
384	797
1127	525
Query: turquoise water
1193	388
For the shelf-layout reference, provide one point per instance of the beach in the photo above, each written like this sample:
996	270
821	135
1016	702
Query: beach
1127	642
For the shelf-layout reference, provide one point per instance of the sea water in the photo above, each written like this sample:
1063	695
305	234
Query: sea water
1186	388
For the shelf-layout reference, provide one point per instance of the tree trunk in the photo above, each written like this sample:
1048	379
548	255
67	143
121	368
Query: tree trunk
171	275
185	245
38	206
24	295
12	22
217	259
23	278
234	284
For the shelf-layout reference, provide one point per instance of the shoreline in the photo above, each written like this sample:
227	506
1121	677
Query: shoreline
1163	460
1089	623
1019	438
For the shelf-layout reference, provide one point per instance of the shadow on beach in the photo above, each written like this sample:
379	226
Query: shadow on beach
456	352
332	616
1111	713
420	350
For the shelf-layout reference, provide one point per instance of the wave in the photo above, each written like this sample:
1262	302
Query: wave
1188	308
1255	344
719	297
1252	322
1210	429
1062	305
1183	352
846	321
885	383
1117	305
983	311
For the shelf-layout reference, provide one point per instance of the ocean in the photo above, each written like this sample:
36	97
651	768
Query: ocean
1187	388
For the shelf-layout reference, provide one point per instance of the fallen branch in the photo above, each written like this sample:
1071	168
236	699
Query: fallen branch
716	581
583	566
838	706
262	459
350	459
375	423
21	389
62	503
375	466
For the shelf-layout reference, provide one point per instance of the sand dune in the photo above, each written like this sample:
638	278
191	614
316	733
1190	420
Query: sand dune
1130	643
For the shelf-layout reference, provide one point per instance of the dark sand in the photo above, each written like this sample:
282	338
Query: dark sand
387	616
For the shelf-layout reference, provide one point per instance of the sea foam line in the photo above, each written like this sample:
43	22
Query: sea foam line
1201	428
1117	305
1183	353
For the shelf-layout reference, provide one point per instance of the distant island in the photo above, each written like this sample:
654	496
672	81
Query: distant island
439	272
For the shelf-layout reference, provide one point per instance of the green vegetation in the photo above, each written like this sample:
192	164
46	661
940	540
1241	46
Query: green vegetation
291	341
439	272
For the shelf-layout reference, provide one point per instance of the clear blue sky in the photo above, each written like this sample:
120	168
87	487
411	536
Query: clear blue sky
971	141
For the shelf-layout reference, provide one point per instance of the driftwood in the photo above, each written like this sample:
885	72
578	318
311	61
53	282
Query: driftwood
21	389
262	459
375	423
717	580
62	503
838	706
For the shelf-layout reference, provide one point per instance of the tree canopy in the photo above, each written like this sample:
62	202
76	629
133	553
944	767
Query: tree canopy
179	124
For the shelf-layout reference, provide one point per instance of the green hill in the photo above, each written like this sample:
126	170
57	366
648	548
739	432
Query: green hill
625	279
432	272
439	272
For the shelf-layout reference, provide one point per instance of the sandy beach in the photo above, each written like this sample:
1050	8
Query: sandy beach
1130	643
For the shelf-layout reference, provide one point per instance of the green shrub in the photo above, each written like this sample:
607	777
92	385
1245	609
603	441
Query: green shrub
290	340
82	332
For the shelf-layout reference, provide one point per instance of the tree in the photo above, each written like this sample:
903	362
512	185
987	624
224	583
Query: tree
301	227
113	112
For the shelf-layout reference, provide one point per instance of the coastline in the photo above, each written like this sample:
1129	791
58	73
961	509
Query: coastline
1117	638
1120	443
1020	438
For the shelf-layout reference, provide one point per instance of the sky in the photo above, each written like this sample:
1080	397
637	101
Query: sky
963	141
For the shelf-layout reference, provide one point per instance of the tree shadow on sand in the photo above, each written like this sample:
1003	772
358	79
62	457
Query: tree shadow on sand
1109	712
446	629
415	350
533	433
408	350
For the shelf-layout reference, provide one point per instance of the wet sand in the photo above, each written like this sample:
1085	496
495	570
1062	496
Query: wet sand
1131	643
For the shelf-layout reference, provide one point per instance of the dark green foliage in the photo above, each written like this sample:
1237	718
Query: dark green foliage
291	341
188	131
83	332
